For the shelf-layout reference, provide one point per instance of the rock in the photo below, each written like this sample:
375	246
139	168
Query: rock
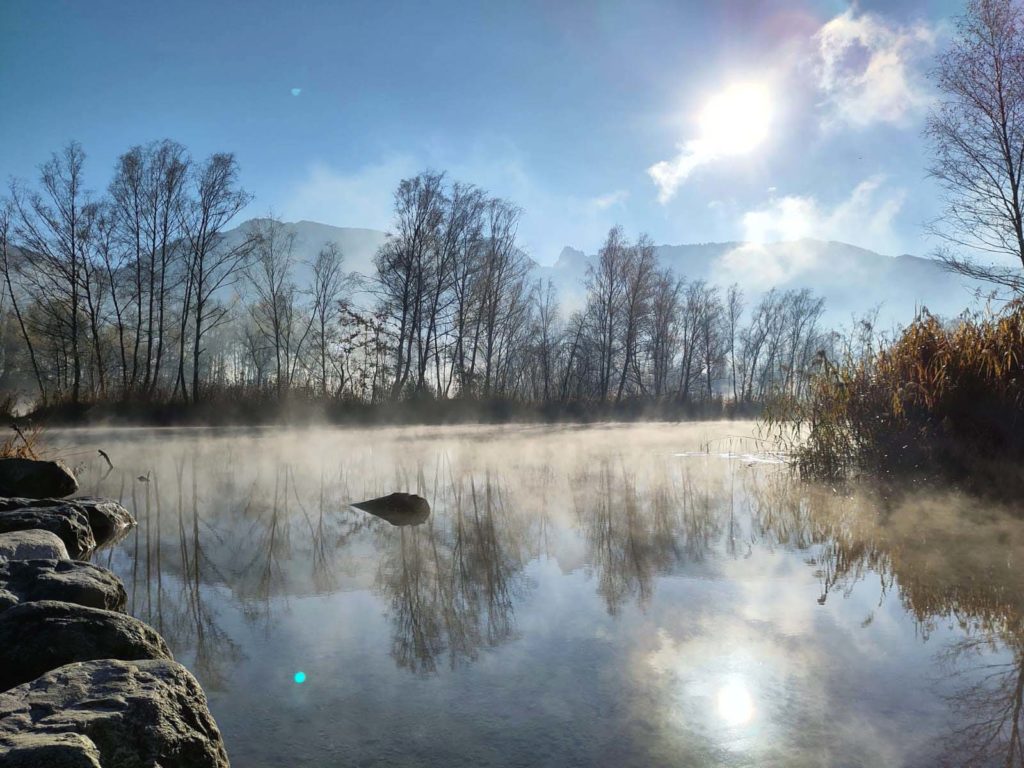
397	508
70	523
53	750
36	479
138	714
37	637
24	581
108	519
32	545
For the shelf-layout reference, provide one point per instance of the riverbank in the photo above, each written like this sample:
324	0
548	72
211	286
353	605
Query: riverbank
227	408
82	683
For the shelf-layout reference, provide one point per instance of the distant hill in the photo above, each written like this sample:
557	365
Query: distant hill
357	245
853	280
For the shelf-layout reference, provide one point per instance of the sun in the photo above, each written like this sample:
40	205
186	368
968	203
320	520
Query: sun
737	120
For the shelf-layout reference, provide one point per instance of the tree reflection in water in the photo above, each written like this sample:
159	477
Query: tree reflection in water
953	560
452	581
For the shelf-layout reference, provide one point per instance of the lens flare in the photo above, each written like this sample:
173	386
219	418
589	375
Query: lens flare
300	678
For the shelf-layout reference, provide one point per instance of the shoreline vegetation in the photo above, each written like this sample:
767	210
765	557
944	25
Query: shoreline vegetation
233	407
942	401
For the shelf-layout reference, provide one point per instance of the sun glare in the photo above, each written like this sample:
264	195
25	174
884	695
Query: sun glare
735	704
736	120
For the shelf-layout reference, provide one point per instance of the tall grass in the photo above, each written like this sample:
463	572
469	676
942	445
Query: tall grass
943	399
24	441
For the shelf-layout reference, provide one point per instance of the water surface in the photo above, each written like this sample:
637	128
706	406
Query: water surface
658	595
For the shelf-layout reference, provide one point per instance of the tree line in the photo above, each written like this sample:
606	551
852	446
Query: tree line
138	294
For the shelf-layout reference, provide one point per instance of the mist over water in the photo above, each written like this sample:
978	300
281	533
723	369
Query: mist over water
628	595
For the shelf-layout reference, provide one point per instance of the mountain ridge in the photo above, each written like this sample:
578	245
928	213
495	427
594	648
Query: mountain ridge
853	280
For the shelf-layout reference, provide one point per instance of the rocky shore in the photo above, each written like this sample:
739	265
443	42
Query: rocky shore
82	684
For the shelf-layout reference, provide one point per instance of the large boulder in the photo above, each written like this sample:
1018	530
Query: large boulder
32	545
37	637
69	522
71	581
138	714
53	750
36	479
108	519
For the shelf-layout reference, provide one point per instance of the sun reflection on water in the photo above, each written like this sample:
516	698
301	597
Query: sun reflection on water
735	704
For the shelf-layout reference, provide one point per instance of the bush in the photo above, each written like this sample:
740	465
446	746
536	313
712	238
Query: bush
940	399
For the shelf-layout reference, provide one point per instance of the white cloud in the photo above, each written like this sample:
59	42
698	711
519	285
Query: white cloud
610	200
870	71
865	217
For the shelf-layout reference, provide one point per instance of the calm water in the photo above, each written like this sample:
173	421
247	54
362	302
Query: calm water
602	596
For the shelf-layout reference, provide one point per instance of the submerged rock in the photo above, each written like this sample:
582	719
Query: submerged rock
107	519
70	581
36	479
397	508
32	545
40	636
69	522
53	750
137	714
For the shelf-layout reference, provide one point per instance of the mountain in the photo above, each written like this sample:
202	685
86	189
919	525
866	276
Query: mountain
358	246
853	280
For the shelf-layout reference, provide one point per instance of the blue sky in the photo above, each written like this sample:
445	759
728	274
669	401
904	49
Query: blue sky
563	107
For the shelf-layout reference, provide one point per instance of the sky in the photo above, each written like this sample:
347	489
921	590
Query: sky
692	121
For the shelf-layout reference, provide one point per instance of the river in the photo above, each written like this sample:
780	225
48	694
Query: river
617	595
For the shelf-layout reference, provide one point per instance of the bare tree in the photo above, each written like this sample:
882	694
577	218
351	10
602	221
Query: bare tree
977	131
664	334
270	274
6	211
606	289
211	264
403	274
50	230
638	273
329	284
733	312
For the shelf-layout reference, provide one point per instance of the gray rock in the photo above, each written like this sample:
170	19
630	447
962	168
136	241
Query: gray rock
36	479
69	522
138	714
108	519
397	508
32	545
71	581
53	750
37	637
